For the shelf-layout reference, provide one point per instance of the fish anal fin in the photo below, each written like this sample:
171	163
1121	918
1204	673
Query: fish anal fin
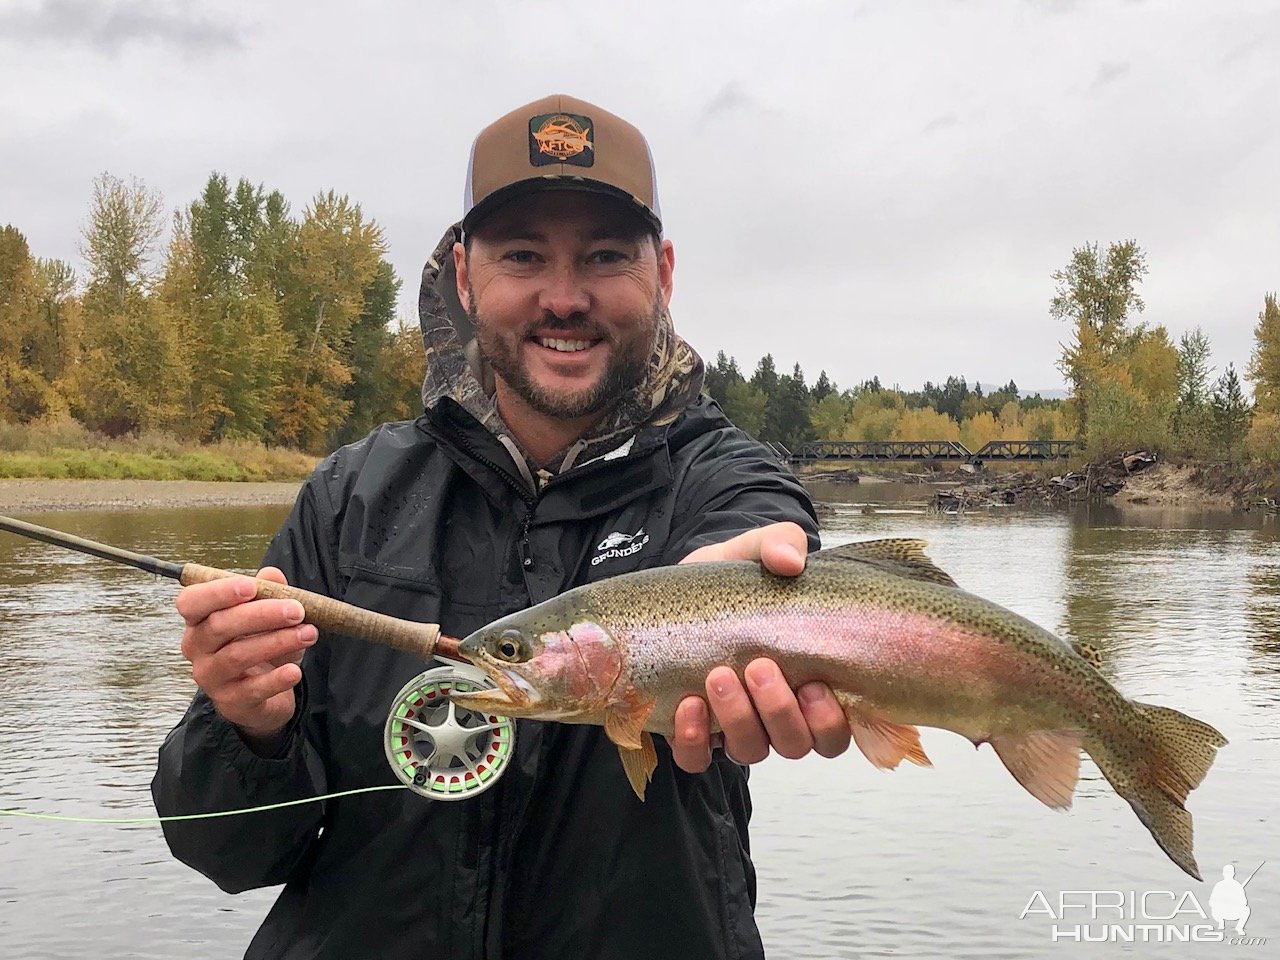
903	557
1045	762
885	743
624	722
640	763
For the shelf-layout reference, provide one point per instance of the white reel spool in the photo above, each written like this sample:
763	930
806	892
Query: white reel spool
440	750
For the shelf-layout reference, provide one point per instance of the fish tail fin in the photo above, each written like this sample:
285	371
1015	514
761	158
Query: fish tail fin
1169	763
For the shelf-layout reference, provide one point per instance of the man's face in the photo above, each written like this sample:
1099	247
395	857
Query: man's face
564	290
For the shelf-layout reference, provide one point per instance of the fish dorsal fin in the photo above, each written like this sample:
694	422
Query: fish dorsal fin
905	558
1088	653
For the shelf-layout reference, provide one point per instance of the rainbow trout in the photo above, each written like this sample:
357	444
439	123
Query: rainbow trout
892	635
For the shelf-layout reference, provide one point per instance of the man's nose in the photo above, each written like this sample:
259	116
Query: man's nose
564	294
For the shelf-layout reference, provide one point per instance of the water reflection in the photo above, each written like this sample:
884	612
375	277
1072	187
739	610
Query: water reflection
851	861
1263	611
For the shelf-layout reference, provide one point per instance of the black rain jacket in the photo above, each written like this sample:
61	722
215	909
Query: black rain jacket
426	520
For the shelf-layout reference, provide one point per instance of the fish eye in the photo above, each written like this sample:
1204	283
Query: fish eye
509	646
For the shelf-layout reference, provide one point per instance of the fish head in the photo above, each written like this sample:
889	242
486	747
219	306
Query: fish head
543	671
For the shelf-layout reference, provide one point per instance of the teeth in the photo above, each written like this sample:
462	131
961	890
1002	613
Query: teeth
564	346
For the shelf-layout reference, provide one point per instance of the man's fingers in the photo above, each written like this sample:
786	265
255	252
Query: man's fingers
251	693
781	547
691	743
246	620
779	712
826	719
744	736
239	656
197	601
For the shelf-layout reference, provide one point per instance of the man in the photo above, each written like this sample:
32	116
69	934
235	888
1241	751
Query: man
561	408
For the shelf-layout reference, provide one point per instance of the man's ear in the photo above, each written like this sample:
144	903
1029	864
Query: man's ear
666	270
460	276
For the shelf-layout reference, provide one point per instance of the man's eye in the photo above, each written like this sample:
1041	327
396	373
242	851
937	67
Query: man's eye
608	257
520	256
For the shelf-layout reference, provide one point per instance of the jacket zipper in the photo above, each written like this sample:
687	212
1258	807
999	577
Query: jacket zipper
530	499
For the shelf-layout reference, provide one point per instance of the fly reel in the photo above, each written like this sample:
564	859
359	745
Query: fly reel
441	750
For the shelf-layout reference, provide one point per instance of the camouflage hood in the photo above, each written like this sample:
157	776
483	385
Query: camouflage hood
455	370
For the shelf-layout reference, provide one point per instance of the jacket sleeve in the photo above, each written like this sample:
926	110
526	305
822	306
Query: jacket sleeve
732	484
205	766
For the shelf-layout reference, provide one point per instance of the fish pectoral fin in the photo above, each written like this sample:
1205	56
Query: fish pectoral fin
639	764
1045	762
624	722
885	743
903	557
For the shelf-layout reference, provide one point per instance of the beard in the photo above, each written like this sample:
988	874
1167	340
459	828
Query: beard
629	356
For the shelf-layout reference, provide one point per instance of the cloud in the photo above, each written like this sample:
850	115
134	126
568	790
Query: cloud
109	27
731	99
938	124
1110	72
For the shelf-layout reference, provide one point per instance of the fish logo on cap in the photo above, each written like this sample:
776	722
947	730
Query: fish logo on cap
561	138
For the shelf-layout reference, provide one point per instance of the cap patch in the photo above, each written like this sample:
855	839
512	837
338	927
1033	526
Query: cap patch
561	138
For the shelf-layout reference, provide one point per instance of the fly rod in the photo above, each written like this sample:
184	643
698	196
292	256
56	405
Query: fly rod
325	613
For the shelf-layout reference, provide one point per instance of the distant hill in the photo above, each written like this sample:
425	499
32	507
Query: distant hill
1059	394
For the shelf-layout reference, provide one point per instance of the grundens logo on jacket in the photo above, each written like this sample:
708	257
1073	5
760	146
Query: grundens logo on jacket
620	545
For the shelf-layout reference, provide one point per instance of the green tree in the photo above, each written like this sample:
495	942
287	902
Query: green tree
136	365
220	277
786	415
822	388
1192	421
1264	362
1097	293
1231	413
376	392
829	415
335	257
765	377
125	223
744	405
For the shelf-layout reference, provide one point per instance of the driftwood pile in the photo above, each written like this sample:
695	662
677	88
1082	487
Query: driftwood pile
1098	480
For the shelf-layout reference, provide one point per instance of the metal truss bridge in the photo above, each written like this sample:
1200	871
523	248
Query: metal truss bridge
946	450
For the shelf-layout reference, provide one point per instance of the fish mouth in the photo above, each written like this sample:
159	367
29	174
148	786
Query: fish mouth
515	697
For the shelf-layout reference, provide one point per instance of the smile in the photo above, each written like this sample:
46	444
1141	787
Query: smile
564	346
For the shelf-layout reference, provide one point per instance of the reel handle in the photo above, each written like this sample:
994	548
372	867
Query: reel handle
420	639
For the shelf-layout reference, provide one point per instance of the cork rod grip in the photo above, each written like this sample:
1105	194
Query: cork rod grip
420	639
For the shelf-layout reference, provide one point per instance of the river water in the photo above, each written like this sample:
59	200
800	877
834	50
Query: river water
955	861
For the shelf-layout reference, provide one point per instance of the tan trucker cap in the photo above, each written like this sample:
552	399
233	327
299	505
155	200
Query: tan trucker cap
562	143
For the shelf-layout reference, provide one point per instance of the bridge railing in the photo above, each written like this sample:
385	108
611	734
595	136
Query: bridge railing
947	450
1026	450
882	450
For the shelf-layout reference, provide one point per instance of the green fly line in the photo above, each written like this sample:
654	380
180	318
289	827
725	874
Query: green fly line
32	815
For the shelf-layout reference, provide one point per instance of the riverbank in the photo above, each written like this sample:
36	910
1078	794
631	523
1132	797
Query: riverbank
1139	479
35	496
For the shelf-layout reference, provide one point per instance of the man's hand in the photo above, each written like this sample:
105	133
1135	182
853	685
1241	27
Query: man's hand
245	653
766	713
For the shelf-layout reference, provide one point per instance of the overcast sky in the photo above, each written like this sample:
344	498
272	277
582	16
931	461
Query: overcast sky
878	188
